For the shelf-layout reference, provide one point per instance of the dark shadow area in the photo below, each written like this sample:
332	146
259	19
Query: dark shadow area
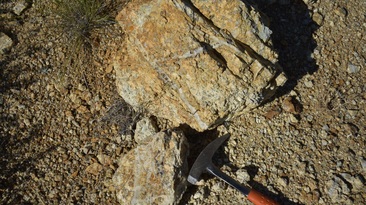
14	161
197	142
16	165
292	36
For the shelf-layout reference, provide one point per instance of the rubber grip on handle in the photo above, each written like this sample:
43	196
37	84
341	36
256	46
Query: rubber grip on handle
259	199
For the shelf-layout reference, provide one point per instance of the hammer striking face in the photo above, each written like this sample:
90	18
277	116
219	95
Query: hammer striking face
204	163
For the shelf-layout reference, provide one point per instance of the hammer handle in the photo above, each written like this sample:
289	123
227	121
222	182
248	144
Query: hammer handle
258	198
254	196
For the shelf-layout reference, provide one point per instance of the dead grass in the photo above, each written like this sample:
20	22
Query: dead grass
80	19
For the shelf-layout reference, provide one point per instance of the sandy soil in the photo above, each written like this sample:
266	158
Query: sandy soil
63	130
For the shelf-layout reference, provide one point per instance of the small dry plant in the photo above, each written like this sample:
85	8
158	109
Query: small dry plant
81	23
80	18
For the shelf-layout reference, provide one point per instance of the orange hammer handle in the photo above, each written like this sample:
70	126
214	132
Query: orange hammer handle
259	199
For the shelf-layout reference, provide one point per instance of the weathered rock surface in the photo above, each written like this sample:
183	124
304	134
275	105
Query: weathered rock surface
155	172
195	62
145	129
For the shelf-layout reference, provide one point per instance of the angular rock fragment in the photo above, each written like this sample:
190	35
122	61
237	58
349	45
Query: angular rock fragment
5	42
155	172
20	7
336	189
145	129
195	62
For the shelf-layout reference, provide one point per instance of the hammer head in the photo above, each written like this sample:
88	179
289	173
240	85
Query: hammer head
204	160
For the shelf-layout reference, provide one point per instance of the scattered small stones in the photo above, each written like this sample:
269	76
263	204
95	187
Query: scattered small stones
38	115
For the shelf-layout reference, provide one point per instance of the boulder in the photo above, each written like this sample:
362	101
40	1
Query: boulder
195	62
154	172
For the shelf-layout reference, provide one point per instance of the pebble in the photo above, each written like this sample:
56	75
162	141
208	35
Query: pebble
20	7
318	18
272	113
283	181
242	175
336	188
309	84
198	195
291	105
356	181
293	119
353	68
216	188
104	159
5	43
351	129
341	11
363	163
94	168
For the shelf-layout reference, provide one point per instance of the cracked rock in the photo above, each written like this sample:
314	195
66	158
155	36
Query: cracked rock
194	62
155	172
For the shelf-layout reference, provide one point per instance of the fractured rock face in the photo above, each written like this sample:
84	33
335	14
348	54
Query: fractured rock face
195	62
155	172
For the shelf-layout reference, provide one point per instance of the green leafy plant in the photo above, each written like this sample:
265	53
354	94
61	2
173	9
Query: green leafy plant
80	18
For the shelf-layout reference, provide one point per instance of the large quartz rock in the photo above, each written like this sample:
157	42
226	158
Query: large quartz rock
195	62
154	172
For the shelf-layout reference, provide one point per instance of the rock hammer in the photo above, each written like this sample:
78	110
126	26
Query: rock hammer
204	163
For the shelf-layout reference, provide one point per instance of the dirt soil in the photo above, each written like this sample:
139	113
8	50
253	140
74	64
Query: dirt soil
62	130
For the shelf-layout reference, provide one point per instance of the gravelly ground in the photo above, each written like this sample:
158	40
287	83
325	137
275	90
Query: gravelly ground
60	135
